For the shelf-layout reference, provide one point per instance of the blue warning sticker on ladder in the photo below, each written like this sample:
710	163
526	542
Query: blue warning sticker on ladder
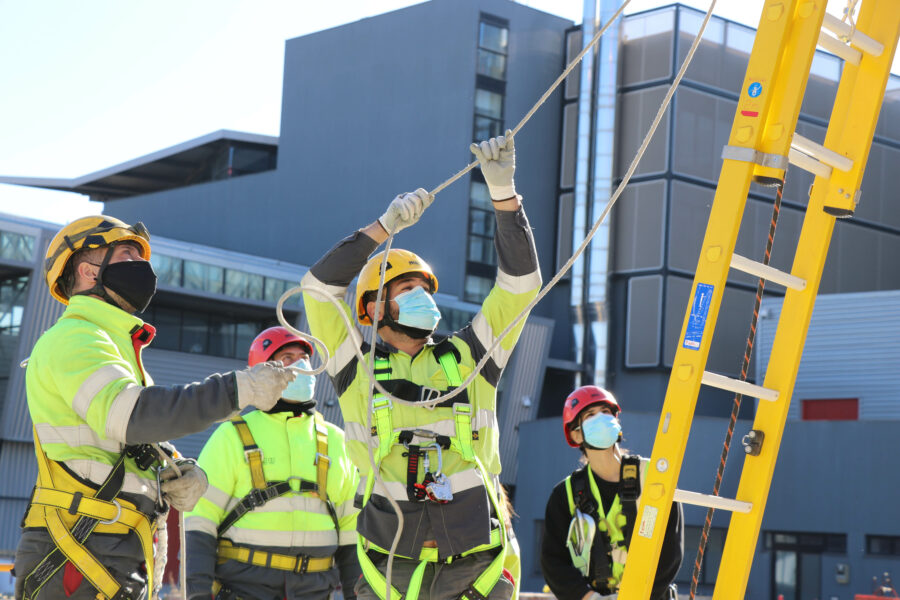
697	320
755	89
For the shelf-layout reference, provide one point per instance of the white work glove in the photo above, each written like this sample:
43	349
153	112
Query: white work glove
261	385
182	493
497	157
405	210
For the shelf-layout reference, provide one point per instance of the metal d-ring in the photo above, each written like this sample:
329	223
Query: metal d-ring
116	518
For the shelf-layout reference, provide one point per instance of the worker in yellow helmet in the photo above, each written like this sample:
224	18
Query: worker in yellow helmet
277	520
104	481
440	463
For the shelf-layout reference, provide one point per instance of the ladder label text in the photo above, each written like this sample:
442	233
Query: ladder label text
648	520
697	320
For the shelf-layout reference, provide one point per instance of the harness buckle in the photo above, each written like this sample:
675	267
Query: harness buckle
253	450
427	394
116	518
257	498
382	402
461	408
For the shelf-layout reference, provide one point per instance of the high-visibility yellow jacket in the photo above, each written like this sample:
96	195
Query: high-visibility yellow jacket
464	523
297	523
89	397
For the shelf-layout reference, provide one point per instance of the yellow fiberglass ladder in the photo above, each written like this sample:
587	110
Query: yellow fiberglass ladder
760	146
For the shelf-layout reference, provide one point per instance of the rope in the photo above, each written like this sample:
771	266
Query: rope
352	331
736	407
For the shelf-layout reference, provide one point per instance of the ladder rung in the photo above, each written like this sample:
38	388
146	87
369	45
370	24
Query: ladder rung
742	263
738	387
857	38
836	46
710	501
808	163
821	153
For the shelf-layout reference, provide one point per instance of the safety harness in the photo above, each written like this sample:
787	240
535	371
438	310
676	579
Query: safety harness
71	511
434	486
615	525
264	491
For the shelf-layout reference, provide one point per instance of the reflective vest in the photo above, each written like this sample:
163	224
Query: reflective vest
417	445
277	480
82	379
615	524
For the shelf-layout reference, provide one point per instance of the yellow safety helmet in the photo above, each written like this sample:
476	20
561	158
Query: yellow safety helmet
400	262
88	232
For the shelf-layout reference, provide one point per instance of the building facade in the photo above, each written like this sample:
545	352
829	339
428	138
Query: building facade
237	218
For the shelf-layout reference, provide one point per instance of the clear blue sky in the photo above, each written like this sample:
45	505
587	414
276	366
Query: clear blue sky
90	84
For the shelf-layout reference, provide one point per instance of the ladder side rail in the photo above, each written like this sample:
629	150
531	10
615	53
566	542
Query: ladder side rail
726	214
852	126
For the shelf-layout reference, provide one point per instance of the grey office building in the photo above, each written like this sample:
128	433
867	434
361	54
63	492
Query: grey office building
237	219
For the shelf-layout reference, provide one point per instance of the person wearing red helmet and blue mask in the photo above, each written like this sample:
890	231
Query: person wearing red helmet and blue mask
591	514
277	520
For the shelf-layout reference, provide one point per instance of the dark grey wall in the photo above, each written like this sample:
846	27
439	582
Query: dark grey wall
831	477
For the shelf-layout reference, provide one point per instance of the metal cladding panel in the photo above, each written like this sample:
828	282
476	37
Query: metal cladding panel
521	385
851	351
41	312
11	512
19	468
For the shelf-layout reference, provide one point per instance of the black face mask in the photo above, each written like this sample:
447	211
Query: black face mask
133	280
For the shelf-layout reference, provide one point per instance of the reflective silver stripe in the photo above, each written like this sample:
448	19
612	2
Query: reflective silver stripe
217	497
75	436
97	473
120	412
518	284
484	418
93	385
357	432
347	537
202	524
459	482
284	539
485	335
311	281
345	352
345	509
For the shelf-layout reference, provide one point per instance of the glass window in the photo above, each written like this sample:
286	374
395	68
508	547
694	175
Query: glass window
168	327
276	287
195	327
482	250
168	269
489	104
883	545
203	277
491	64
493	37
243	285
487	128
16	246
479	195
221	336
477	288
245	334
481	222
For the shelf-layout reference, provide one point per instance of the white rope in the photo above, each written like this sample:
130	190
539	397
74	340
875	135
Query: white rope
368	366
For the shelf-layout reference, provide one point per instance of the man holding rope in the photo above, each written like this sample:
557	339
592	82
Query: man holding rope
439	462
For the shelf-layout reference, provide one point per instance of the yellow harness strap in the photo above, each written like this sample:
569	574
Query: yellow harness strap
52	501
252	453
283	562
323	461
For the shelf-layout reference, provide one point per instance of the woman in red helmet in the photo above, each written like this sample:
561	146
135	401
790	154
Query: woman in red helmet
591	513
277	520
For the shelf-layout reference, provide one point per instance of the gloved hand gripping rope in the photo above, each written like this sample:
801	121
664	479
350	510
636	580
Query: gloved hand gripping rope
368	365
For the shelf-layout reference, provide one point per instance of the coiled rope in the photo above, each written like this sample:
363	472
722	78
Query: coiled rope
368	365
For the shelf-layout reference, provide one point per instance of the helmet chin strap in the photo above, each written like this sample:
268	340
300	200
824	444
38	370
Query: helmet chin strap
413	332
99	289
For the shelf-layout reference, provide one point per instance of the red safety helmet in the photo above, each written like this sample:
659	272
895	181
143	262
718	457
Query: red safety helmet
271	341
582	398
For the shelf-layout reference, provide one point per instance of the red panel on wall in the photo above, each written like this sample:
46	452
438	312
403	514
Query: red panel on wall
833	409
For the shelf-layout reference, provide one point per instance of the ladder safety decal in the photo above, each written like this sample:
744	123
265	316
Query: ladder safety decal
699	310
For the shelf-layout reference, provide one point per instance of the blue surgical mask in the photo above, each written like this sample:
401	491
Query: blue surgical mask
601	431
302	388
417	309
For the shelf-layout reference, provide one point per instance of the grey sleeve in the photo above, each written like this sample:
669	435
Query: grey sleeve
201	564
343	262
169	412
348	564
516	254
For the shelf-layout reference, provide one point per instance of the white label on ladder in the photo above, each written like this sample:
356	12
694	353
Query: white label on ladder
648	521
697	320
